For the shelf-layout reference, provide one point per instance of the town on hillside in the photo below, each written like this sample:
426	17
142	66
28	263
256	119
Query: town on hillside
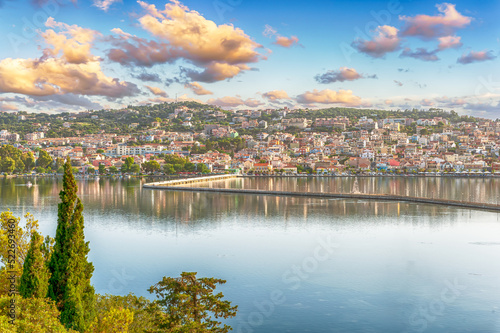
189	137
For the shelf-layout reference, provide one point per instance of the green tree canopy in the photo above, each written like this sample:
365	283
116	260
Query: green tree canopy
69	284
7	165
102	169
44	160
106	306
175	159
128	165
151	166
168	169
34	281
135	168
200	167
33	315
28	161
188	304
59	162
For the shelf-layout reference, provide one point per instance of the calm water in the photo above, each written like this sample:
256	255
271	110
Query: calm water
297	264
468	189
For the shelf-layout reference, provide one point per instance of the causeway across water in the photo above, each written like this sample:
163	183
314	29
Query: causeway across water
180	185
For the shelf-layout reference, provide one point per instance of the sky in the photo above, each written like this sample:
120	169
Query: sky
75	55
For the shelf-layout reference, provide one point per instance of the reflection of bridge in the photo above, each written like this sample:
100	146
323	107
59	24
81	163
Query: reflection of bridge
188	181
173	185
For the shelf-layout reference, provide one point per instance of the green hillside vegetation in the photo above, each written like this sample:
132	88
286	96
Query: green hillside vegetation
353	113
119	121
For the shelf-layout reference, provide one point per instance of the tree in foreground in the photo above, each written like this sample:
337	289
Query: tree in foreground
33	315
35	278
113	320
187	304
110	311
69	284
21	235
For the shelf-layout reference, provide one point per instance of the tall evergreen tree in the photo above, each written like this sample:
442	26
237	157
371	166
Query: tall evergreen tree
69	284
35	278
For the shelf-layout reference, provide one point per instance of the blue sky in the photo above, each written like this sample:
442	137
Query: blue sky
74	55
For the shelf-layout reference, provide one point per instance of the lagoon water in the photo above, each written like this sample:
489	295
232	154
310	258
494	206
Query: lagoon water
298	264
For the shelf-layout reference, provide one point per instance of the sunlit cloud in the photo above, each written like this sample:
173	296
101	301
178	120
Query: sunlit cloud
426	102
341	75
130	50
428	27
233	102
214	72
253	103
385	40
221	51
449	42
7	107
197	89
328	96
276	95
157	91
286	41
445	101
473	56
104	4
283	41
76	71
74	42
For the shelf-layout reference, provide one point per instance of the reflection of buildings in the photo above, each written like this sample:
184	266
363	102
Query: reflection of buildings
105	197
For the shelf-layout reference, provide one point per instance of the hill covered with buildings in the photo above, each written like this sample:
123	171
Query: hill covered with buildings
207	138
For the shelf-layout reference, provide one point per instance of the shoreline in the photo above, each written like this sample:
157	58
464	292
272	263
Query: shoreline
491	175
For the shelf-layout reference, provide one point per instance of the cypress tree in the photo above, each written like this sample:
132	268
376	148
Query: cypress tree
69	284
35	278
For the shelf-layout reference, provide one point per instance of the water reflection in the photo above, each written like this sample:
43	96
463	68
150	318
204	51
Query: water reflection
108	197
467	189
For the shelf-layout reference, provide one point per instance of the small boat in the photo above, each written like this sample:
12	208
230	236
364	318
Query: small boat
29	184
